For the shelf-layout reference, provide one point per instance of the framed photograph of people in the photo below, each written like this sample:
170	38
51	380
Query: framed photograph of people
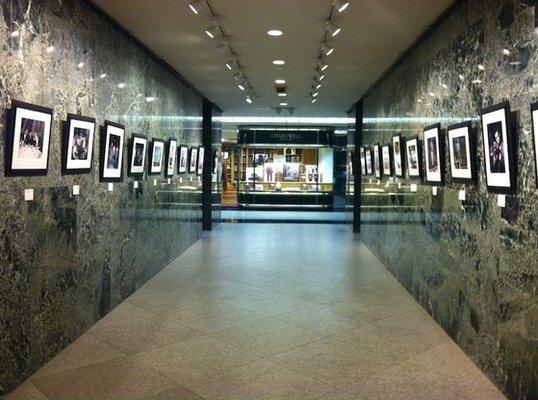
377	161
215	162
193	160
363	160
434	155
137	154
498	149
157	155
413	157
27	139
112	138
200	167
77	144
461	152
369	155
397	155
386	160
534	115
183	159
171	157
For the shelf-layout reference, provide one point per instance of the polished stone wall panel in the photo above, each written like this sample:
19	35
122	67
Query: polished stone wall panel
472	265
65	261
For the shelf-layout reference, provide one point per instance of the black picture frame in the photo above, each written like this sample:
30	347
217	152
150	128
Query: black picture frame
440	155
183	150
103	152
15	118
130	169
71	121
200	161
376	148
398	172
534	123
156	143
193	165
411	171
471	140
362	157
491	118
384	171
171	150
369	155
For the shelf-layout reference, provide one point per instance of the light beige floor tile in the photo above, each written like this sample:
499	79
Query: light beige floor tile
132	329
120	378
178	393
25	391
223	319
194	359
260	380
86	350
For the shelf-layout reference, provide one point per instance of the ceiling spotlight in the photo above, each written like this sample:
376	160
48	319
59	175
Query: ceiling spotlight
241	87
318	85
280	81
341	5
322	65
314	100
213	30
282	94
223	47
319	76
327	48
249	100
238	76
194	5
315	94
332	28
274	32
231	64
279	62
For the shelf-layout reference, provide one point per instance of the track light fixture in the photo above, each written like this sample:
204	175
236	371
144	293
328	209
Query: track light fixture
332	28
223	47
231	64
239	76
249	100
322	65
319	76
213	30
340	5
194	5
327	48
316	85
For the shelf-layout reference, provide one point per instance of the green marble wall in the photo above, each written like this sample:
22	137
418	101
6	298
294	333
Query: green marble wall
65	261
473	265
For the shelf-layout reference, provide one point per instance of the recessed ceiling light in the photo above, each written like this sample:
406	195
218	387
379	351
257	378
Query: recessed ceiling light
283	104
274	32
194	5
282	94
279	62
280	81
341	5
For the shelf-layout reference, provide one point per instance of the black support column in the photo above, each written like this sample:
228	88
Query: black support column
207	113
357	167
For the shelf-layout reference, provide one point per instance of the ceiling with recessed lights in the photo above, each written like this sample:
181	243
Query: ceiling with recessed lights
373	33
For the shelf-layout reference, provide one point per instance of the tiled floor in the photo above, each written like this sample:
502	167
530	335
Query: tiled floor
265	311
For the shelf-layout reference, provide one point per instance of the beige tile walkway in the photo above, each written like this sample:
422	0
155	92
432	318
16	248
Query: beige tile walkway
265	311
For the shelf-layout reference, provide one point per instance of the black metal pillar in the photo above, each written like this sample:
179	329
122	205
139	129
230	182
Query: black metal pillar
357	167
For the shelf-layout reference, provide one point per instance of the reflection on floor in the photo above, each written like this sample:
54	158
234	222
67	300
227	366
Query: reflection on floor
265	311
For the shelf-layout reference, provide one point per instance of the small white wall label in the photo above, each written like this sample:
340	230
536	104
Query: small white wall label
414	187
110	186
135	184
28	194
461	195
501	200
434	190
76	190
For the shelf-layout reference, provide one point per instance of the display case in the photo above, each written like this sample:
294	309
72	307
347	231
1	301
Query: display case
286	167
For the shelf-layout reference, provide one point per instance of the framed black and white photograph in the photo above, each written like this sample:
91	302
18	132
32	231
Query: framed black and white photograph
183	159
193	160
461	152
171	157
157	156
413	157
386	160
77	144
369	162
434	155
377	161
215	162
200	167
498	149
397	155
363	161
28	137
137	154
534	115
112	138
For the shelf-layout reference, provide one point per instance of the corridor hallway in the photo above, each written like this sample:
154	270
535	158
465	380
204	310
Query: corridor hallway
265	311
